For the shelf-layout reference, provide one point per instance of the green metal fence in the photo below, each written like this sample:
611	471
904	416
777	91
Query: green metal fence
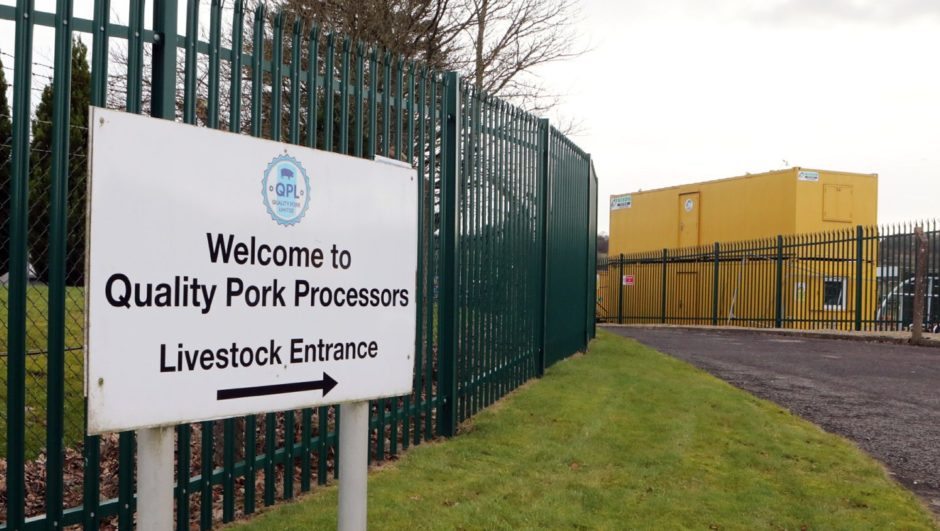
569	268
857	279
506	243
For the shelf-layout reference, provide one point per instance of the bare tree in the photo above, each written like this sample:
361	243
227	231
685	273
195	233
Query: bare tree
419	30
508	39
497	44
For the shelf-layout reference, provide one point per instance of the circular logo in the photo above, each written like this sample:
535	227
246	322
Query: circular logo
688	205
285	188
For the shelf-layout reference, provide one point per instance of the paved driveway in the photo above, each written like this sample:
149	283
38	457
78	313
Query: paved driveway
884	397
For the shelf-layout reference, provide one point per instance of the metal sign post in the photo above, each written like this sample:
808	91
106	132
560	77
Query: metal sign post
155	478
353	466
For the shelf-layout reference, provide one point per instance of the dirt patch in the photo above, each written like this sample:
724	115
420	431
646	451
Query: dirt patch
881	396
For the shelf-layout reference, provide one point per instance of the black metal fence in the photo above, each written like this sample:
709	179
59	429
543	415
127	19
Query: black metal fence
854	279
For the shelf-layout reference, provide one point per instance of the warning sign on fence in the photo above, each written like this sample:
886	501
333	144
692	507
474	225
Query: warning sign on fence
628	280
231	275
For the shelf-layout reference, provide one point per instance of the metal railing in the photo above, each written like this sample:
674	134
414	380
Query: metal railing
853	279
505	254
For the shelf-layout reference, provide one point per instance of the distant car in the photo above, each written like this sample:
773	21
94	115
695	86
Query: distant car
897	304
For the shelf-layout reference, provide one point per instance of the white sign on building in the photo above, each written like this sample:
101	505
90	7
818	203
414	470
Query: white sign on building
623	201
812	176
230	275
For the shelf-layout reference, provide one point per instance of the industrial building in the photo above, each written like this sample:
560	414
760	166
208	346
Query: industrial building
791	201
709	253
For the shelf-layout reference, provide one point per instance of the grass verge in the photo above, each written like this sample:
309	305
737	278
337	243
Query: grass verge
625	437
37	324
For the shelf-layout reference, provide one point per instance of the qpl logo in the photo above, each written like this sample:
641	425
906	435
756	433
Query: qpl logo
286	190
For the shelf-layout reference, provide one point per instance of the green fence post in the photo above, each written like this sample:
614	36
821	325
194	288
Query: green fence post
591	294
163	102
207	452
230	427
715	285
58	231
91	446
447	307
183	437
162	105
16	302
126	500
662	308
778	291
183	431
620	290
859	244
543	228
228	463
593	272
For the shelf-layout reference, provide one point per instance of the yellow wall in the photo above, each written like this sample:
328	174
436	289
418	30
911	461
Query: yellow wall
744	208
811	216
746	294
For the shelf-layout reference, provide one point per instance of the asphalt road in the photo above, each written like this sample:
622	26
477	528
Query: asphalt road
885	398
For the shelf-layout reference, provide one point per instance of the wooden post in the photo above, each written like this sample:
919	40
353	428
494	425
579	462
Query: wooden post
920	272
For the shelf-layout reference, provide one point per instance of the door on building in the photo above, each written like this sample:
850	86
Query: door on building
689	209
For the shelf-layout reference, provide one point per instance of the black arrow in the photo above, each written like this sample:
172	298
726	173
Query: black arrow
327	384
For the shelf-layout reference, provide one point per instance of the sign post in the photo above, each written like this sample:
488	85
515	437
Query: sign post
353	466
231	276
155	478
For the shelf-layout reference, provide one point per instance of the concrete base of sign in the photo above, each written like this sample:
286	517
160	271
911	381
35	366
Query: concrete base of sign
353	465
155	478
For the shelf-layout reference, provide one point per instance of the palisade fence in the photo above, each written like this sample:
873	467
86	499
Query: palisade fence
858	279
506	246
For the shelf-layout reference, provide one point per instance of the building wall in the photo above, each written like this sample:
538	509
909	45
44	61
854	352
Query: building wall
745	293
838	200
788	201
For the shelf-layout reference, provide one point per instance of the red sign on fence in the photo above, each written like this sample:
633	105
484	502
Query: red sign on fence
628	280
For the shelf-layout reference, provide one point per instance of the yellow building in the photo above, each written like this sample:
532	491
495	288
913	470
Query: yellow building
791	201
673	272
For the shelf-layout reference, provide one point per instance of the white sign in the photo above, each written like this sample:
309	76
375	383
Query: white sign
229	275
799	291
624	201
812	176
628	280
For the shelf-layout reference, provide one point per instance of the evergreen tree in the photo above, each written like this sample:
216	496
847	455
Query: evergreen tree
41	178
6	141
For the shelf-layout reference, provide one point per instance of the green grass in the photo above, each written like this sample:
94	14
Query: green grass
625	437
37	323
37	307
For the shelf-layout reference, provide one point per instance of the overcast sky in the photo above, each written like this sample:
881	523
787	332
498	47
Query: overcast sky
680	91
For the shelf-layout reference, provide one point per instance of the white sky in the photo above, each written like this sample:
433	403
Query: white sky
680	91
